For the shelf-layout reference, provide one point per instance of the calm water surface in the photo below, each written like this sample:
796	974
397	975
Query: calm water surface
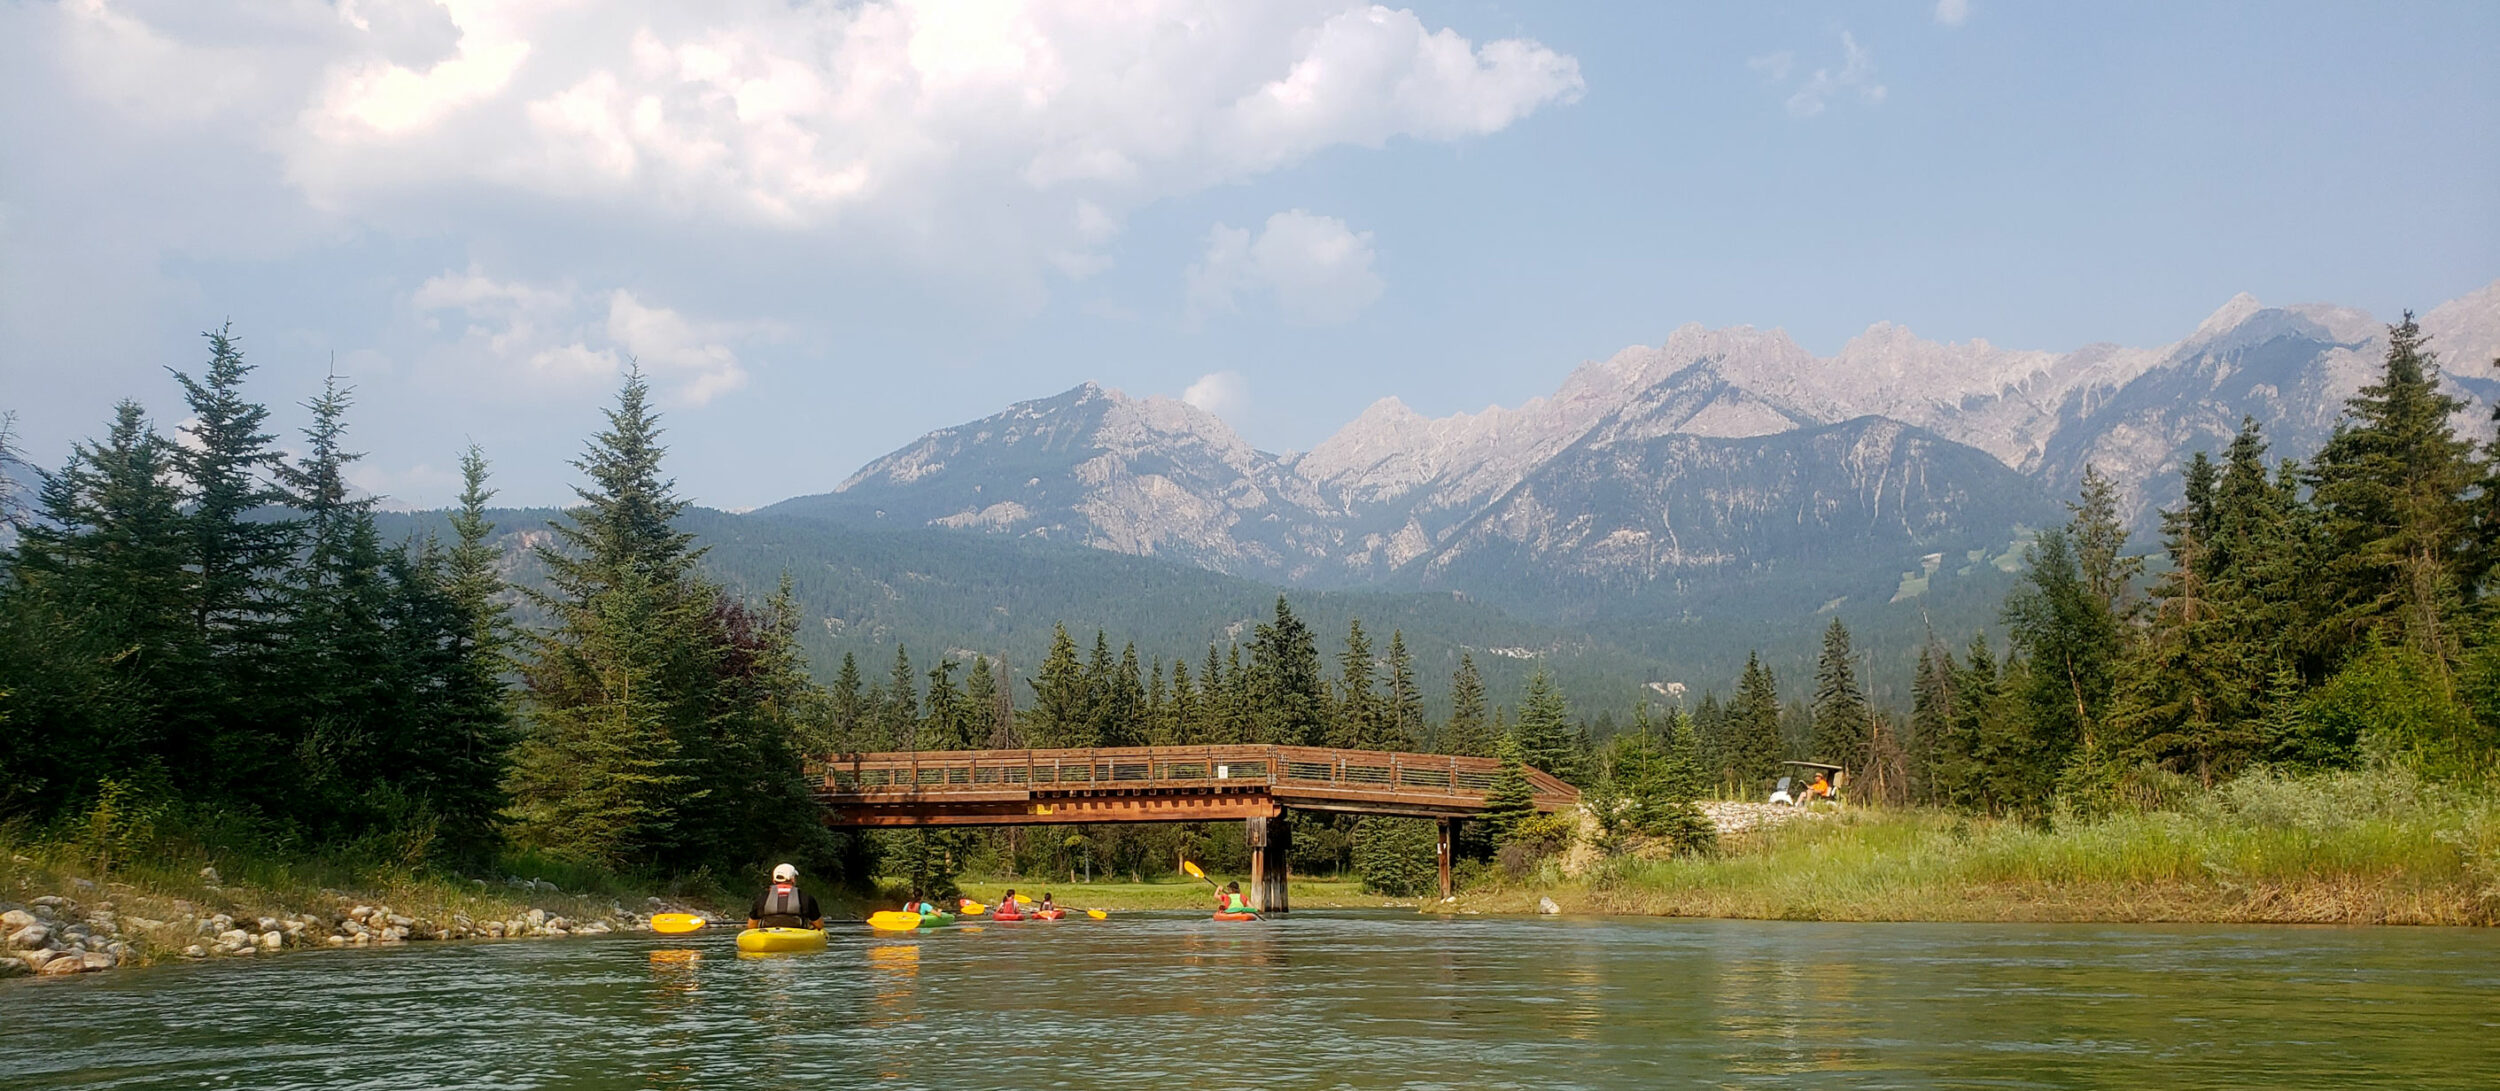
1319	1000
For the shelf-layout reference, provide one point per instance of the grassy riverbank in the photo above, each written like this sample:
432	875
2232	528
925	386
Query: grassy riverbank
162	905
2364	847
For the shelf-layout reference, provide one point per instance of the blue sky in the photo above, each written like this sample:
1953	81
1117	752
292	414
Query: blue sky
825	229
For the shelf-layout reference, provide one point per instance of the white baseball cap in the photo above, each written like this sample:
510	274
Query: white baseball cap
783	873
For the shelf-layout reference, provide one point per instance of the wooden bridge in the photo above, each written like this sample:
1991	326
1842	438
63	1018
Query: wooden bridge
1166	784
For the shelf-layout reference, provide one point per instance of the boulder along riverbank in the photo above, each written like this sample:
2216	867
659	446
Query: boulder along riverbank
95	927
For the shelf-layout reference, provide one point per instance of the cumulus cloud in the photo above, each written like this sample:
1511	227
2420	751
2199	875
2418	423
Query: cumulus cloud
1952	12
1318	270
556	337
1218	392
1856	76
912	122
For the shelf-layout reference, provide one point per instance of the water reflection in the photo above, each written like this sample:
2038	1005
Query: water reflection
1317	1000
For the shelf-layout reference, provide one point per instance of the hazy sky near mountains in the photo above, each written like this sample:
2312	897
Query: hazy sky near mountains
824	229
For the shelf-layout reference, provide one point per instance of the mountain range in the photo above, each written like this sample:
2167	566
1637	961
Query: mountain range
1722	477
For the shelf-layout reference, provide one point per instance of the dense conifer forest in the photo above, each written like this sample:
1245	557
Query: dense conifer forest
205	638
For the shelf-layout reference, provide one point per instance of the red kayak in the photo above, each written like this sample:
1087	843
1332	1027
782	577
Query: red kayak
1004	916
1236	916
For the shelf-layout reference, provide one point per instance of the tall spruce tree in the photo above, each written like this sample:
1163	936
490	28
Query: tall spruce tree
1286	692
1754	746
1359	715
1544	735
1405	720
1840	709
1468	733
1062	696
2392	485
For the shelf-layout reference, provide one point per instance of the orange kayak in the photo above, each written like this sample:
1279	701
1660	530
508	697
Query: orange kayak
1236	916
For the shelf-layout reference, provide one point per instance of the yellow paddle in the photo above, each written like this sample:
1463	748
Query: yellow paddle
676	924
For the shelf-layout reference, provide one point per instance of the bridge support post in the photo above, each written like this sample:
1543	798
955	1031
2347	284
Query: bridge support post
1446	824
1271	846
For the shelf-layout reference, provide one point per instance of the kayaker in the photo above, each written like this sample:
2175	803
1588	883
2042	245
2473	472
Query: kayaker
1229	900
784	905
1045	905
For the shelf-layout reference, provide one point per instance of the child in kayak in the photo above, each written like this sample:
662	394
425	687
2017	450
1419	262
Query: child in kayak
1045	907
1229	900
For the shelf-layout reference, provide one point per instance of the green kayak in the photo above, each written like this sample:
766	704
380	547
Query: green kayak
936	920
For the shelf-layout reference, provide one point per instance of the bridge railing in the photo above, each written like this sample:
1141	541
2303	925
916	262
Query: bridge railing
928	773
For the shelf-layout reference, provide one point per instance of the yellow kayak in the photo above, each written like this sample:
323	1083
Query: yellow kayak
894	920
781	939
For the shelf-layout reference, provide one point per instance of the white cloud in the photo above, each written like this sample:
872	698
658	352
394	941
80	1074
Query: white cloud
1319	270
1774	65
1218	392
947	129
1855	77
1952	12
553	337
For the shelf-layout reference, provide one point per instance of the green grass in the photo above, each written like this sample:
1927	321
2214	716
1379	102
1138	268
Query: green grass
2375	846
166	884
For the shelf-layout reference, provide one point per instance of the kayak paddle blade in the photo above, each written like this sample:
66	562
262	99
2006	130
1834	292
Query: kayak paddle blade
1097	914
1191	866
676	924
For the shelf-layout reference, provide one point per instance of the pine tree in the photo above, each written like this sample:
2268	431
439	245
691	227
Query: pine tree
1931	719
1062	696
849	708
1287	695
2392	487
1510	800
332	646
1406	702
1755	746
1544	736
948	719
899	721
1358	713
1468	733
99	652
1188	711
1840	711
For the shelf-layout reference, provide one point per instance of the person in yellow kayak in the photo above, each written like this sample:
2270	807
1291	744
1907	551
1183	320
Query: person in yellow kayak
1229	899
784	905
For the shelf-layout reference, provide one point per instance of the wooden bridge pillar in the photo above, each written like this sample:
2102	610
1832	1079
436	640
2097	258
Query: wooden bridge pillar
1271	844
1446	825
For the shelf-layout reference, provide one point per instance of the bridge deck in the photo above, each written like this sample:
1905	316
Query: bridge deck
1154	784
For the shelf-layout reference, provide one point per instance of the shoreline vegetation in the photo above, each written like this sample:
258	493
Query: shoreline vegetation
244	722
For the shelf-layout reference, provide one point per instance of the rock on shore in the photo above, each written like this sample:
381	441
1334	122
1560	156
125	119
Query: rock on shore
55	935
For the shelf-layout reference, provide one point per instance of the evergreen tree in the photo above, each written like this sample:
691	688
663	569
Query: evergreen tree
103	663
331	642
900	723
2069	637
1510	800
1755	748
1359	719
1405	719
1840	710
1468	733
948	721
1188	711
1062	696
2392	488
849	709
1285	691
662	726
1544	737
1931	719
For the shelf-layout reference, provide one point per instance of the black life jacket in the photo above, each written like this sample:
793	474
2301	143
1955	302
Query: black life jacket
781	903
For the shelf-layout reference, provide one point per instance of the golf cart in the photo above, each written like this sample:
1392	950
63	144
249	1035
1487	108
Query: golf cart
1798	789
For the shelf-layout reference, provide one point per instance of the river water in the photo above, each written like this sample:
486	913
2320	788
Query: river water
1322	999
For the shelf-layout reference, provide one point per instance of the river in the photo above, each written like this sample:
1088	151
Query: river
1323	999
